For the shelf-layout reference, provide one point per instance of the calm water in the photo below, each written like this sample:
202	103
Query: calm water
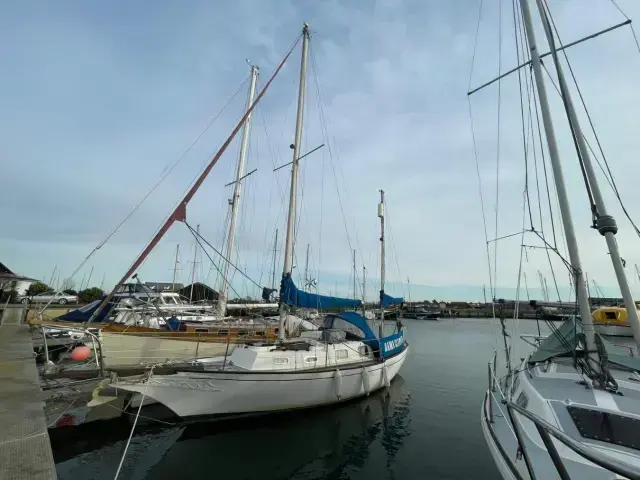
426	426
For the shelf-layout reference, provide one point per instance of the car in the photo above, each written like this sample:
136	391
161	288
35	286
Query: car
53	297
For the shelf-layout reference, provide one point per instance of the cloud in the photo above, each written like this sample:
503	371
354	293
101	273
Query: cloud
101	99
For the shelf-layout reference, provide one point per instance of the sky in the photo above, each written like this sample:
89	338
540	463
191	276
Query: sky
99	100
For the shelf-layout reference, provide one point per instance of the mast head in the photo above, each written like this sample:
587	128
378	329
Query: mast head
305	29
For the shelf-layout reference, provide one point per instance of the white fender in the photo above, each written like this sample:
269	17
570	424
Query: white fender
337	380
365	381
385	375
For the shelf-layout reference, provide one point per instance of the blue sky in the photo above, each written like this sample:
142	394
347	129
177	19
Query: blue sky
98	99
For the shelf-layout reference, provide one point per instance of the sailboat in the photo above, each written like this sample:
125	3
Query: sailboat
571	409
343	360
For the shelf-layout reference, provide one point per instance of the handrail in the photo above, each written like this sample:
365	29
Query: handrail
544	428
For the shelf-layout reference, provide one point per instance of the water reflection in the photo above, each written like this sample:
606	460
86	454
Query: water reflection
332	442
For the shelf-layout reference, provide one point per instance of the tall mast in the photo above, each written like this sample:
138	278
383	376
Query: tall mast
563	199
288	249
175	268
193	268
235	201
409	288
364	289
275	255
604	222
355	289
382	266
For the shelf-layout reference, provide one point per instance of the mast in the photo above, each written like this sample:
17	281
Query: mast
89	278
288	249
175	268
355	289
409	288
563	199
382	266
364	289
193	269
275	255
604	222
235	200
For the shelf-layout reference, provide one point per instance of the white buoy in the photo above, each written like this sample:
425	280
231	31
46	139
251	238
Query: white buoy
365	381
337	379
385	375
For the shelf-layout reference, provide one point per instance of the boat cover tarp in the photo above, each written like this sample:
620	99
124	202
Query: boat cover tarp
564	340
388	300
388	346
83	314
290	295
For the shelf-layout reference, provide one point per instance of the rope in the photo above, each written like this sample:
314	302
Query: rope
135	422
197	236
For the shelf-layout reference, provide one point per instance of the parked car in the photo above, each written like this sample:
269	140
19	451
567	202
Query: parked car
54	297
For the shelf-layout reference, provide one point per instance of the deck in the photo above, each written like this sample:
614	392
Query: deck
25	451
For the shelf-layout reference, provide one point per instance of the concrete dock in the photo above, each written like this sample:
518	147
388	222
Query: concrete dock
25	450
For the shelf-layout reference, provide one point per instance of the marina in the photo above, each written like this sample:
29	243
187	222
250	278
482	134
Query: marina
240	305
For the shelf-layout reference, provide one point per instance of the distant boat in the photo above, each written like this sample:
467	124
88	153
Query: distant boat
612	321
420	313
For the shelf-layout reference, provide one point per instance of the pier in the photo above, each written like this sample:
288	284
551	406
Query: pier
25	450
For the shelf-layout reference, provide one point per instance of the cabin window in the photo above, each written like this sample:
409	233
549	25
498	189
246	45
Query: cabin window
522	400
259	333
341	354
353	332
201	330
610	315
606	427
242	332
223	332
362	350
310	359
280	361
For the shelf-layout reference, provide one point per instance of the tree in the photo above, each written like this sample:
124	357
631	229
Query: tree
37	288
70	291
8	295
89	295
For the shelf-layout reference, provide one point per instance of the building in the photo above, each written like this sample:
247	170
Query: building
201	293
11	281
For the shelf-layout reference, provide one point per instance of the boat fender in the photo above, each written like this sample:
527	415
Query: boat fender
337	380
385	375
365	381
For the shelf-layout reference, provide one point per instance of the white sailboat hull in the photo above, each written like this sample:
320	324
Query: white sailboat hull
614	330
126	349
226	393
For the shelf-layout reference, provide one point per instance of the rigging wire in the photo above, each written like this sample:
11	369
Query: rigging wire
520	35
609	177
633	31
477	163
497	198
166	171
197	235
325	132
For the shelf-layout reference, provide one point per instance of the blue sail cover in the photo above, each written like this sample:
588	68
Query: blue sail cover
290	295
83	314
388	300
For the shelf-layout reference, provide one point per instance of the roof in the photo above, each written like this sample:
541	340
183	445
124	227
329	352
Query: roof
4	269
